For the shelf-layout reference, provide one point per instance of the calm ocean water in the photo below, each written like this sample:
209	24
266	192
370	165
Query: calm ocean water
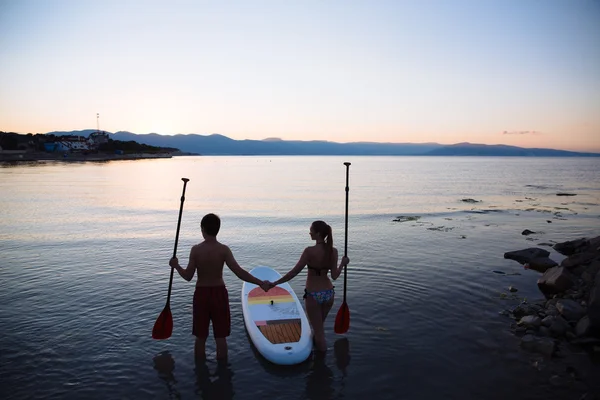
84	250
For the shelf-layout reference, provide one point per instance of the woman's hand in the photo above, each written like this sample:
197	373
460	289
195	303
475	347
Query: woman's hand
266	286
345	261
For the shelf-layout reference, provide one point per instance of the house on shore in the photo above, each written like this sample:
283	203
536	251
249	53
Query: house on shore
77	144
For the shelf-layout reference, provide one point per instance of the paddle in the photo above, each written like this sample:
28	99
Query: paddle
342	319
163	327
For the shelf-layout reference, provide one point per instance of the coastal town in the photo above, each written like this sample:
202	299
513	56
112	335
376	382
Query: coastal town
97	146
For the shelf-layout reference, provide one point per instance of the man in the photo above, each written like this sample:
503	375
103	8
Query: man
211	300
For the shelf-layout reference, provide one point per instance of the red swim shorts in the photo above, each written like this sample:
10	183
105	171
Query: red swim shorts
211	303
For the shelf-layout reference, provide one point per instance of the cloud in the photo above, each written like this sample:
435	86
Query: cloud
521	133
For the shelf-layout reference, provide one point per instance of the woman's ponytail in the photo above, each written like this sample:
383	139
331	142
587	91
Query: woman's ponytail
329	242
329	238
324	230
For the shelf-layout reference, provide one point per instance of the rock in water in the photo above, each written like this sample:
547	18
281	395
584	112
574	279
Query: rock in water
526	255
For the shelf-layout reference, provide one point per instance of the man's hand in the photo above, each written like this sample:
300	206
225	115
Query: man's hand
266	285
173	262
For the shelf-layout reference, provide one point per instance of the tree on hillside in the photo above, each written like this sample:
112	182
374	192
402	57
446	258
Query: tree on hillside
9	141
132	147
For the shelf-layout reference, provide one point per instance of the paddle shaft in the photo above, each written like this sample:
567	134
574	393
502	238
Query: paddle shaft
347	164
185	181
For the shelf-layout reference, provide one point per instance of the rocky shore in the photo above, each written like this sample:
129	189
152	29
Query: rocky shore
569	311
562	329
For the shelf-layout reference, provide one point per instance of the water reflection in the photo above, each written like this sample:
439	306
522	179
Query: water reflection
341	351
215	385
279	370
12	164
320	378
165	365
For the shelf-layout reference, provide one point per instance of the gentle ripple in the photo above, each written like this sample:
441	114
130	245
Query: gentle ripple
84	275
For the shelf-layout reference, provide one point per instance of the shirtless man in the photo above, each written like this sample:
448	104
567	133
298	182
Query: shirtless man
211	300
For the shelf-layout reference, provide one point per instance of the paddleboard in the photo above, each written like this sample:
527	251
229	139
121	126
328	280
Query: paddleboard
275	320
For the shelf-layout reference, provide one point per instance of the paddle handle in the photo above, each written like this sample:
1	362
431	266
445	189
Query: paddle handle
347	164
185	181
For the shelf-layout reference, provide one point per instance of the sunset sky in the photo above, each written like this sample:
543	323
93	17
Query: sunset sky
517	72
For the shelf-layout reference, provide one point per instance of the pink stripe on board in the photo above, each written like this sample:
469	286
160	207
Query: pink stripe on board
260	323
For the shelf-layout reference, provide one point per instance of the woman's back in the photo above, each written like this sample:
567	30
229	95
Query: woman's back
320	260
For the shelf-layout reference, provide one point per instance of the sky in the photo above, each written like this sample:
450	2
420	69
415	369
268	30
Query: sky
516	72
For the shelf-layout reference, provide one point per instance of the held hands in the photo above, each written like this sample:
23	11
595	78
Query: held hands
173	262
345	261
267	285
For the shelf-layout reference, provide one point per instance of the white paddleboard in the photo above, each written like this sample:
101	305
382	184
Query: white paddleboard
275	320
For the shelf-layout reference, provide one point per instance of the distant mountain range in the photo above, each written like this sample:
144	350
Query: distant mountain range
216	144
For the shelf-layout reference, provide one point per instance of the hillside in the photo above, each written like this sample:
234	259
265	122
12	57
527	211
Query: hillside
216	144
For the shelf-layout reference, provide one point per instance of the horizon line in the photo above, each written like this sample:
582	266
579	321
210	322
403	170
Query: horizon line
595	151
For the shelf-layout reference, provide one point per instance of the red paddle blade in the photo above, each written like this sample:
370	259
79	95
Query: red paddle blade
163	327
342	319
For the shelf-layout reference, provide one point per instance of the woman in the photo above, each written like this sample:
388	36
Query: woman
319	293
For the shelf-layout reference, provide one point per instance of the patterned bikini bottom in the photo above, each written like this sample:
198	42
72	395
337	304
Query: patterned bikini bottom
321	296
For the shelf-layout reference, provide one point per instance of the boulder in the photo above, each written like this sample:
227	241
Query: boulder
559	326
530	321
542	264
579	259
594	244
524	309
547	321
594	307
570	309
555	280
525	256
583	326
589	274
570	247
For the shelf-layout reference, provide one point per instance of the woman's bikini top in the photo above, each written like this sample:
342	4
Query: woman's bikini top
318	270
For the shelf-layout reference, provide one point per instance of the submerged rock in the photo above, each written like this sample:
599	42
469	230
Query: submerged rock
542	345
403	218
542	264
525	256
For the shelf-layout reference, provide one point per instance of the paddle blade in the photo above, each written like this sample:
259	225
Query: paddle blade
342	319
163	327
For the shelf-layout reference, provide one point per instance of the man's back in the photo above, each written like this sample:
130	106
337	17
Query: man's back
209	258
211	300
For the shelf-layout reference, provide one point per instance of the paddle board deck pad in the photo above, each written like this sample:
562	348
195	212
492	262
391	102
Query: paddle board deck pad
275	320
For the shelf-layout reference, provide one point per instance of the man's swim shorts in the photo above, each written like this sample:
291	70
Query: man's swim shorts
211	303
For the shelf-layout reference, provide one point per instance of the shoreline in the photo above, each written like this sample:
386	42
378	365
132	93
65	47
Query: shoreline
569	312
30	157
